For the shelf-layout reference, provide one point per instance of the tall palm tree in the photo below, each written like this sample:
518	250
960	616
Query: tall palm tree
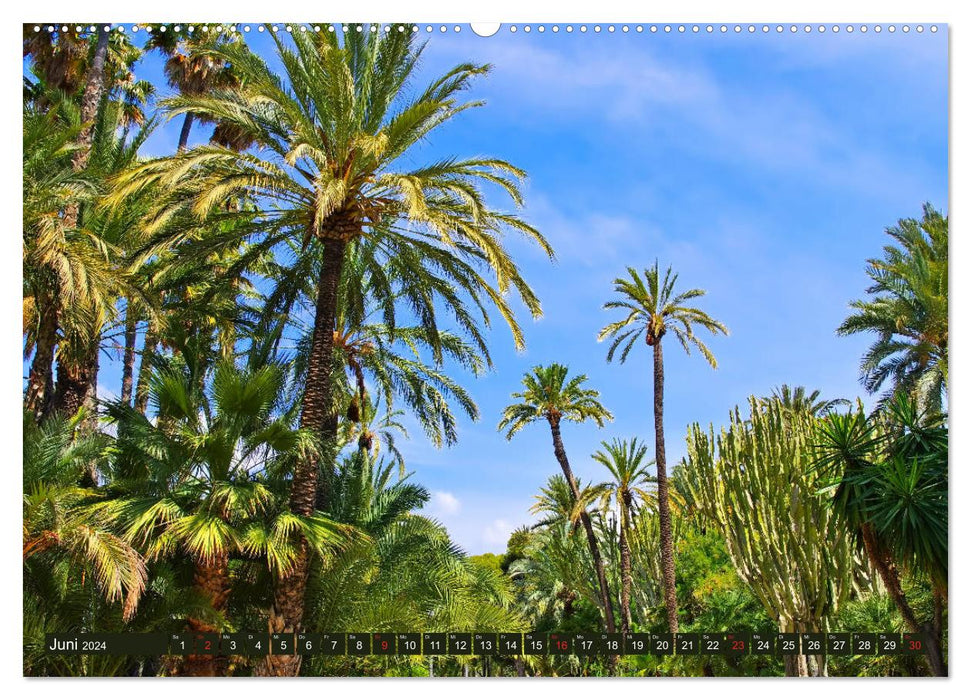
625	462
653	308
92	71
333	168
75	371
60	266
907	310
548	395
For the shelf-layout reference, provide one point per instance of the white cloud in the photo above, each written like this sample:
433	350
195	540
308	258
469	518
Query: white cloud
654	97
444	503
496	534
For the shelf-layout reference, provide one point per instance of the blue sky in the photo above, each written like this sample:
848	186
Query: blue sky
764	168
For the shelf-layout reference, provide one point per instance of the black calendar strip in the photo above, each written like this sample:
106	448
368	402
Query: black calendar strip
488	643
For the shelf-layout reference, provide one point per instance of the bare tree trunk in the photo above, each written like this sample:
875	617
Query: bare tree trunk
560	453
663	495
625	566
289	591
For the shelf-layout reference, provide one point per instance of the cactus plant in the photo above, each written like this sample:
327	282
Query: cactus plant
752	482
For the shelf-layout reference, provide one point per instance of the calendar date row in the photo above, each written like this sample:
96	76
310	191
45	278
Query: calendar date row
489	643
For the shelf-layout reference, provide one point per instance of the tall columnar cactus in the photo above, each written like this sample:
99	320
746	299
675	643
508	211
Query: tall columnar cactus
753	482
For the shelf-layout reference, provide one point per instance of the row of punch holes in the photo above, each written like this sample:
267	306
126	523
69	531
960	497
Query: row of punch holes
512	28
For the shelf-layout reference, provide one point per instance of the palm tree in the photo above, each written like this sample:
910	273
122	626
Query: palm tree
330	171
907	310
652	308
799	400
557	502
192	483
625	462
76	571
549	396
406	575
75	371
552	574
189	69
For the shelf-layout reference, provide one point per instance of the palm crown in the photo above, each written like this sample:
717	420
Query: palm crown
653	308
549	395
908	311
201	477
624	459
328	159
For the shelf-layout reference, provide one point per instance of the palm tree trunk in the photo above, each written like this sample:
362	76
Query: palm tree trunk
286	614
145	371
891	581
76	379
560	453
128	360
36	399
625	567
211	580
663	496
73	380
186	128
93	90
93	360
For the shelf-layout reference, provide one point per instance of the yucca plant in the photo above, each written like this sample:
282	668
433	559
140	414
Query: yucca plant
887	476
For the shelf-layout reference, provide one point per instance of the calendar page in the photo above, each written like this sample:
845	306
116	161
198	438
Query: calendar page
485	350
